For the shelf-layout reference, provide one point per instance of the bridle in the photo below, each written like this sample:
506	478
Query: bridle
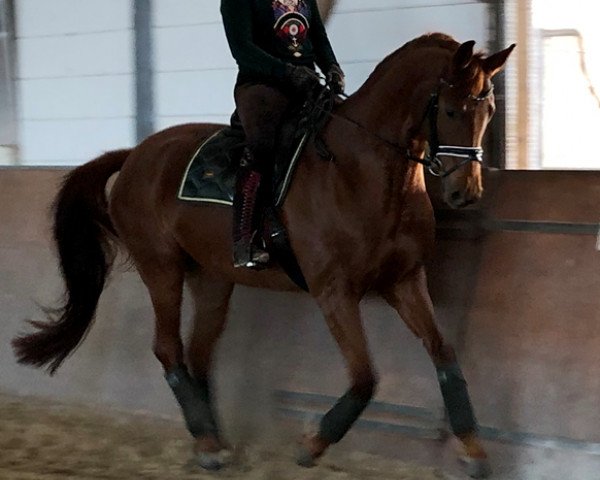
431	160
468	154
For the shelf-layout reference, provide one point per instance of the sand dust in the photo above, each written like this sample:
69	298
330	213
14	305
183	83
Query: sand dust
42	441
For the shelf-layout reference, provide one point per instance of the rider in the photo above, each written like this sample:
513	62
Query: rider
276	44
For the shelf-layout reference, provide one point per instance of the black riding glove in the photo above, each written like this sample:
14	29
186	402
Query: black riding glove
336	80
303	79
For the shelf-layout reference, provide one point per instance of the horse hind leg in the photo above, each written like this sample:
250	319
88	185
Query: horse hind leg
211	303
163	274
412	301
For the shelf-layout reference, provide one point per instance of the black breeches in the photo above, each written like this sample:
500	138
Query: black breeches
261	109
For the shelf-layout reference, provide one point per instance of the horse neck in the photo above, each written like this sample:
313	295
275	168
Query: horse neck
391	105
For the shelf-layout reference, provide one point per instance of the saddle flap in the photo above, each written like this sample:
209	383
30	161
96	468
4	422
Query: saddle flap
210	175
211	172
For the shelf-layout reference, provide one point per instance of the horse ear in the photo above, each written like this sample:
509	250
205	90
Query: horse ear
463	55
494	63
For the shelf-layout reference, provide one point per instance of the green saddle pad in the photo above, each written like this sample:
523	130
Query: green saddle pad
211	173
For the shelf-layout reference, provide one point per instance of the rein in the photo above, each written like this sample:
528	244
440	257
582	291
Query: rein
431	160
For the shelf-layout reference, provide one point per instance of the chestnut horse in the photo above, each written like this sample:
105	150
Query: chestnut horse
360	222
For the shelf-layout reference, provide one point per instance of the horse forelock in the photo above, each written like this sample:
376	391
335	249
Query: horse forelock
471	80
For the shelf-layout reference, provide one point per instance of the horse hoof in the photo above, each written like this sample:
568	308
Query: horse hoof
213	461
305	458
477	467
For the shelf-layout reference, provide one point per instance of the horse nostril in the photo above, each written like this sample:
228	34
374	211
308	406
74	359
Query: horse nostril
455	196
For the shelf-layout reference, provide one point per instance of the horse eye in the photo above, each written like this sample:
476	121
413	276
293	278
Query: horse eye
450	113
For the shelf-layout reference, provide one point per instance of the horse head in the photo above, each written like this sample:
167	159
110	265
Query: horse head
462	109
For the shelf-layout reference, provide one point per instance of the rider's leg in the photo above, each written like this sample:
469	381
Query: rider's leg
261	109
246	252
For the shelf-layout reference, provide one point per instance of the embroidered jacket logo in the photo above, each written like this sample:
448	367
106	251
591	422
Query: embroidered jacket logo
291	24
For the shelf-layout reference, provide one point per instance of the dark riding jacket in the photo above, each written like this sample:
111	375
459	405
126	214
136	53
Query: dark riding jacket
264	35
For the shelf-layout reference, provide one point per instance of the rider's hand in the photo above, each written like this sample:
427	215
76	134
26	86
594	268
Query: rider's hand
336	80
303	79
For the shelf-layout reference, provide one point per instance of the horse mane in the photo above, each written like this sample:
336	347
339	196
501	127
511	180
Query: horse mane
429	40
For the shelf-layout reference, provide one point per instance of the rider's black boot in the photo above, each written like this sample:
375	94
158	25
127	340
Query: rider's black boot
245	251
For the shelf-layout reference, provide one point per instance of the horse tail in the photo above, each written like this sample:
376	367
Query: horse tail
84	237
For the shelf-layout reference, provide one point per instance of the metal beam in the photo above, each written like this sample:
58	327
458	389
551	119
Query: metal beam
144	69
497	43
8	97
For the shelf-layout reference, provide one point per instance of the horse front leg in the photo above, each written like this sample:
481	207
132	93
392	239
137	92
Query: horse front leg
341	311
412	301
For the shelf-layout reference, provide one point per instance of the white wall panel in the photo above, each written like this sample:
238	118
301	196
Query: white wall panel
89	97
194	93
71	142
166	122
189	39
76	82
373	35
370	5
58	17
68	56
76	63
185	12
198	47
